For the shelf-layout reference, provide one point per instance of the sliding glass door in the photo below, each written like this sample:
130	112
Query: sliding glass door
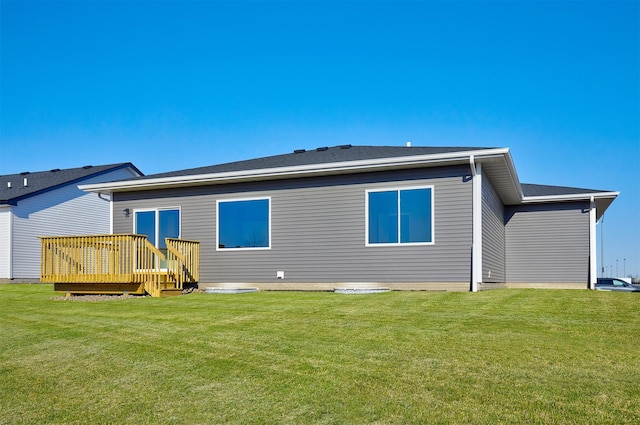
158	224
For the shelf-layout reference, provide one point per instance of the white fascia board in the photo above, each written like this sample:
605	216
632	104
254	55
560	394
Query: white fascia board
293	172
514	174
569	197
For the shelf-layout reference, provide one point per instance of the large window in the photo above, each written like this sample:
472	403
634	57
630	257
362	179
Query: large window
244	224
400	216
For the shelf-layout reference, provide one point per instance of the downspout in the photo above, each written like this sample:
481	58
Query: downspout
476	247
111	206
10	242
472	164
110	201
593	268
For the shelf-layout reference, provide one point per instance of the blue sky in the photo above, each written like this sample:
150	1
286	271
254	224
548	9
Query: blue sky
173	85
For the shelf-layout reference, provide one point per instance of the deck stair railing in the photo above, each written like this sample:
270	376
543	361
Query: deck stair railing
109	263
182	260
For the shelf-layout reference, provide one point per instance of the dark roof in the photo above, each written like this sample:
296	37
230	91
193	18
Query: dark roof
544	190
346	153
43	181
322	155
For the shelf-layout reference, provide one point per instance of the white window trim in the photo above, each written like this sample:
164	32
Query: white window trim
399	189
157	227
258	248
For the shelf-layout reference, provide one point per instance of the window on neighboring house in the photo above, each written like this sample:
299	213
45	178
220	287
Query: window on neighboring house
400	216
244	224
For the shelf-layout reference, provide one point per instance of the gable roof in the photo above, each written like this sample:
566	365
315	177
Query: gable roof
496	164
14	189
322	155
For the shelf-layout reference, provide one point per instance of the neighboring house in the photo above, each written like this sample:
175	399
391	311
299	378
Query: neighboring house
48	203
424	218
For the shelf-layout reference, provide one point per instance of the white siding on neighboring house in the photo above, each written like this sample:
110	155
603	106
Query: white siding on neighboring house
63	211
5	242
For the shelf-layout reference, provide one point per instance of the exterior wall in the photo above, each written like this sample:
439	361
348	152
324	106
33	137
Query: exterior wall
318	231
5	242
59	212
493	235
547	245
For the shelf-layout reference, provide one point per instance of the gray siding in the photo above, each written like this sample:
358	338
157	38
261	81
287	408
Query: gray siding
493	235
318	229
548	243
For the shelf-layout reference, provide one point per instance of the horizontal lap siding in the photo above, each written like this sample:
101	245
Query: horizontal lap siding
493	239
318	229
548	243
59	212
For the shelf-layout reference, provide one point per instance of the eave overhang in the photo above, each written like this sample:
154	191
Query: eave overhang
493	158
496	163
601	199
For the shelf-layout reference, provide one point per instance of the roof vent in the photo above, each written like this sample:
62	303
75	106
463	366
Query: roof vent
55	170
344	146
300	151
24	173
8	185
26	183
408	144
87	167
324	148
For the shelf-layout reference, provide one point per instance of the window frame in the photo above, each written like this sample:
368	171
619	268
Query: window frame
249	248
398	190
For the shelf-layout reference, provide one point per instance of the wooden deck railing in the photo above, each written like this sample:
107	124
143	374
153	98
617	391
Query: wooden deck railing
183	256
123	258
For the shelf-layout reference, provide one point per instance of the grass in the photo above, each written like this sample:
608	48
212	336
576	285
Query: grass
495	357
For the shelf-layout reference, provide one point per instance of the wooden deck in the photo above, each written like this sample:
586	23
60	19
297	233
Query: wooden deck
118	264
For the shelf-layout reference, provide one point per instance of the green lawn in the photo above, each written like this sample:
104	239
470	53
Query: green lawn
503	356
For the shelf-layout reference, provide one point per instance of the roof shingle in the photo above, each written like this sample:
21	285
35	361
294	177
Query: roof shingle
545	190
13	188
322	155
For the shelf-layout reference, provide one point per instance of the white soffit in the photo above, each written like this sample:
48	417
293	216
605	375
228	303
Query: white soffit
503	176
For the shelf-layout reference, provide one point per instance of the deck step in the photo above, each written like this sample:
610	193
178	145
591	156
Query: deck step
162	289
170	292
